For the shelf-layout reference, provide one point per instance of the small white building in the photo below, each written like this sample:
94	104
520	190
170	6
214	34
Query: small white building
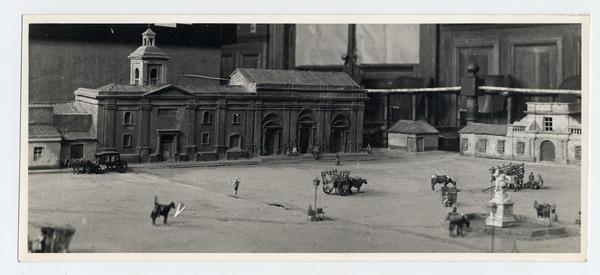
550	131
413	136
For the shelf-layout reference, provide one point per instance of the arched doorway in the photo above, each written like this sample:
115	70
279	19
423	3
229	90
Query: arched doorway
306	131
547	151
339	134
271	135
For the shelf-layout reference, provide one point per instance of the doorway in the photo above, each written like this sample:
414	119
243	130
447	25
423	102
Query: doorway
167	147
547	152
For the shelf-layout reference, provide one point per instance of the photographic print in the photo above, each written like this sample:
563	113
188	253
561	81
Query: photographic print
375	140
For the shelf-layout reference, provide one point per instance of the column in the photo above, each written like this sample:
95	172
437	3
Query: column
426	98
509	107
470	88
286	131
144	132
190	131
413	106
109	126
359	127
258	145
220	124
327	130
294	126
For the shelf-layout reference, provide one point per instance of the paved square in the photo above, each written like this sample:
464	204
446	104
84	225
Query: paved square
395	212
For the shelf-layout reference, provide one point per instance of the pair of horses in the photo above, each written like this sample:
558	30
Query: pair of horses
544	210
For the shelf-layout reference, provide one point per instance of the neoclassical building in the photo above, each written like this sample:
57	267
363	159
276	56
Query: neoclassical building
259	112
550	131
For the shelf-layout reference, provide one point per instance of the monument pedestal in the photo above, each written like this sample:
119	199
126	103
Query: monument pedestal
501	211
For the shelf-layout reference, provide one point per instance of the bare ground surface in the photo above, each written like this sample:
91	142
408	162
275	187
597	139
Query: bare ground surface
395	212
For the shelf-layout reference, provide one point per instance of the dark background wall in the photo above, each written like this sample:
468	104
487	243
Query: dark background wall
65	57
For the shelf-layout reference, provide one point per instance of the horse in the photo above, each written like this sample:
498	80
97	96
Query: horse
457	221
357	182
435	179
161	210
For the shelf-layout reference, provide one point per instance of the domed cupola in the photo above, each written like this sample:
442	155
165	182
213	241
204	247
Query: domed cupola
148	62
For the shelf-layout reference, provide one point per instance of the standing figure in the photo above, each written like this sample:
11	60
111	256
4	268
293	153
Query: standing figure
337	160
540	181
369	149
236	184
531	179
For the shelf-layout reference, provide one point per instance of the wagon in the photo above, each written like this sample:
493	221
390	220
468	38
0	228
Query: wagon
112	161
336	182
449	196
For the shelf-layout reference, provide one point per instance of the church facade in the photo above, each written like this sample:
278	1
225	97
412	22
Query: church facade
259	112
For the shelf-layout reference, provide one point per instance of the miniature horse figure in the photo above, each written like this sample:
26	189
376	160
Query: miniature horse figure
457	221
435	179
161	210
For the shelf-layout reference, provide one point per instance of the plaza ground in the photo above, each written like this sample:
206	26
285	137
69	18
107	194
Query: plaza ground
395	212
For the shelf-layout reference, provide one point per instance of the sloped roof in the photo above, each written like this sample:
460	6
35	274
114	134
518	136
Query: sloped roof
412	127
484	129
148	52
300	78
60	108
122	88
72	136
43	130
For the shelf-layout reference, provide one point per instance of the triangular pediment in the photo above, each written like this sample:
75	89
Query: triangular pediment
169	91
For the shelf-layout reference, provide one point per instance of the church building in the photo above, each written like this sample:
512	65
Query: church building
259	112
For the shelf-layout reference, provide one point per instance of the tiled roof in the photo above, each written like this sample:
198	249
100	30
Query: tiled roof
484	129
76	136
42	130
121	88
412	127
301	78
60	108
148	52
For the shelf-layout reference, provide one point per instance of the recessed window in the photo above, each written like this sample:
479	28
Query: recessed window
136	76
127	118
500	146
548	124
482	145
126	140
520	147
38	152
235	119
206	117
252	28
153	77
465	144
578	152
206	138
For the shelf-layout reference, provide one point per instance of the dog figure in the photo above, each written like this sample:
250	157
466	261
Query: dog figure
161	210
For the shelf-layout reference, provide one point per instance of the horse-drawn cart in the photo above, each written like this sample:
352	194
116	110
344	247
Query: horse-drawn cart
449	196
112	161
340	182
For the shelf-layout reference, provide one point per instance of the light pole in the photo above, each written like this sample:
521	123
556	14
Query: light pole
316	183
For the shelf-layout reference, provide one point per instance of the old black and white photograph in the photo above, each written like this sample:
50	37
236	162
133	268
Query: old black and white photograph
348	137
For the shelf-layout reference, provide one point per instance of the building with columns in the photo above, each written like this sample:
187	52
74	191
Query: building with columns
259	112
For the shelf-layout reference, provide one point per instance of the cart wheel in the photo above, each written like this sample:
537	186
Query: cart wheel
344	189
98	169
327	189
122	167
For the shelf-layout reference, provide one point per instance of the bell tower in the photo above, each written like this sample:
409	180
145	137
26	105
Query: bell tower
148	63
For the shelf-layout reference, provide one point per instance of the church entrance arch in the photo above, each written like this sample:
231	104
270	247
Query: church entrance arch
547	151
339	133
271	135
306	131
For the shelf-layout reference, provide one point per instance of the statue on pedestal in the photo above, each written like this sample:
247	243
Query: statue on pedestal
500	205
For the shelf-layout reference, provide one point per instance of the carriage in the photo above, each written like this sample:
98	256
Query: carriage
516	173
112	161
449	196
340	182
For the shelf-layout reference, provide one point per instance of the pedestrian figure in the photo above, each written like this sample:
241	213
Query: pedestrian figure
236	184
294	151
540	180
337	160
531	178
369	150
